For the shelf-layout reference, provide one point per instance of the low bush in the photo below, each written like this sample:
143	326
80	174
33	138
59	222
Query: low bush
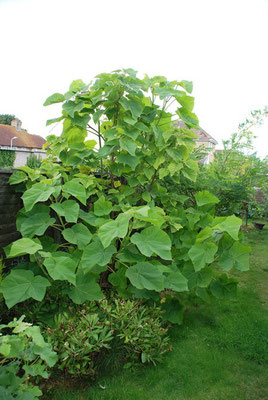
33	161
124	327
78	340
140	330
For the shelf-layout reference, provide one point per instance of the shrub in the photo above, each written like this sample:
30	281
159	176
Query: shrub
108	218
24	356
33	161
139	329
125	327
78	339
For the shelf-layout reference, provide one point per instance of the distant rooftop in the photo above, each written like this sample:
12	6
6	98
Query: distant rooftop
23	138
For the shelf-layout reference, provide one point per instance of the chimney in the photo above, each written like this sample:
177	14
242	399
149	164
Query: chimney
17	124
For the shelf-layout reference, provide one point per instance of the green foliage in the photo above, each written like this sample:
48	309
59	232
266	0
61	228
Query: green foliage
21	285
236	172
83	337
140	330
7	158
6	119
33	161
116	220
78	339
221	351
24	356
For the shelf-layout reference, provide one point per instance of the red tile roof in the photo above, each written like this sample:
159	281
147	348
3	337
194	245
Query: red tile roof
24	139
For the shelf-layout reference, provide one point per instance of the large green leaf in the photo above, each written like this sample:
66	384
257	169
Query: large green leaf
145	275
205	197
230	225
46	353
38	192
186	101
54	120
167	92
202	254
153	240
96	254
199	279
173	310
37	369
130	254
77	85
154	215
224	288
133	106
188	117
102	207
76	137
85	289
77	234
176	281
190	170
17	177
54	98
21	247
118	278
77	190
68	209
72	106
128	145
61	266
90	218
114	229
36	222
237	256
21	285
187	85
129	160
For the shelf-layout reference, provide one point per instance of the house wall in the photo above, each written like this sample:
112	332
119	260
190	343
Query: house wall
22	155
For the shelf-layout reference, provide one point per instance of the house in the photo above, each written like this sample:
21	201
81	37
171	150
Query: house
13	137
204	139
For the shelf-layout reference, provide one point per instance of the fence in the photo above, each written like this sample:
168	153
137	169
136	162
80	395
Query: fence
10	203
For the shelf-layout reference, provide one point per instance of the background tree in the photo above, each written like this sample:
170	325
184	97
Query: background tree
6	119
236	172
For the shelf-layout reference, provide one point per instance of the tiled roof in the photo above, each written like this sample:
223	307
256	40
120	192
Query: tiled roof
24	139
202	135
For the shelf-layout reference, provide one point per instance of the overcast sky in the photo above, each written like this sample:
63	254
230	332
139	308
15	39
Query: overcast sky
220	45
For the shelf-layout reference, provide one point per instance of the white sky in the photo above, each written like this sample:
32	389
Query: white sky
220	45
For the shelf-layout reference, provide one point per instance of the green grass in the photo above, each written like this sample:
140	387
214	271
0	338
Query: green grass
220	353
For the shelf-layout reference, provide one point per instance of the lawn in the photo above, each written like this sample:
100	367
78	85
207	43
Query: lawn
220	353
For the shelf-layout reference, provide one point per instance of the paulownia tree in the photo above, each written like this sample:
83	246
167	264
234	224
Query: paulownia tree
120	227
